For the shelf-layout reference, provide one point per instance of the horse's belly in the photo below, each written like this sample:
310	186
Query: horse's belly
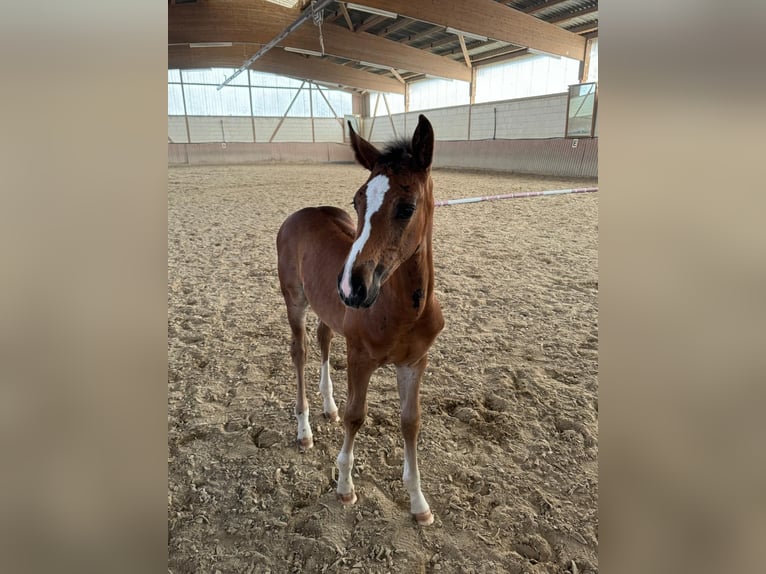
325	235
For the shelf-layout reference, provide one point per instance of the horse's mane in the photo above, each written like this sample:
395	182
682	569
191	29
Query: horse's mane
397	153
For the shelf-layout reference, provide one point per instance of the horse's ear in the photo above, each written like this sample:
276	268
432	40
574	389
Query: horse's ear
423	143
366	153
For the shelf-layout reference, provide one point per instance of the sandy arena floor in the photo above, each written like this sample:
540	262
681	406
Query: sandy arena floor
508	446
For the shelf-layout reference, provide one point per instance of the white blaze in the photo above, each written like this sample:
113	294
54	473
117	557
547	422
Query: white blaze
376	191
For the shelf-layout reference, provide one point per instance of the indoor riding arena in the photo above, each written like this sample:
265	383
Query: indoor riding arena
508	444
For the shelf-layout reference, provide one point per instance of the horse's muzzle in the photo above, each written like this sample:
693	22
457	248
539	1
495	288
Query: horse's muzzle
362	296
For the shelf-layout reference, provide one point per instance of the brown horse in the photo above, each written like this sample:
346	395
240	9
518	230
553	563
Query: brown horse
373	283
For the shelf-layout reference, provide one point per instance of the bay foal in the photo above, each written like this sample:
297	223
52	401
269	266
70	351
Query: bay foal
372	283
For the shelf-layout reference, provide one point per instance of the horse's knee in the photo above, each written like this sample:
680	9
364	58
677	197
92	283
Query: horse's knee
410	423
298	349
354	417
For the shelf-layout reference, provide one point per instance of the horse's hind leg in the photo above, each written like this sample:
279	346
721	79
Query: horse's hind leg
297	307
325	334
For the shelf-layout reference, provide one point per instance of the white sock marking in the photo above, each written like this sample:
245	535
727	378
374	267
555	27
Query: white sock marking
411	482
406	379
325	387
304	428
376	191
345	463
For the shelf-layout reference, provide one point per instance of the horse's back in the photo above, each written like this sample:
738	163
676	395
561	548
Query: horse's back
312	223
312	245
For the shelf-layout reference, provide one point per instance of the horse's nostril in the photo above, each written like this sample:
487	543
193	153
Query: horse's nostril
360	292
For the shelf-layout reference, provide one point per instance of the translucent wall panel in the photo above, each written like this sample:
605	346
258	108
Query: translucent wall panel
175	100
395	103
272	80
270	102
438	93
340	102
593	67
271	95
321	109
525	77
301	107
208	101
214	76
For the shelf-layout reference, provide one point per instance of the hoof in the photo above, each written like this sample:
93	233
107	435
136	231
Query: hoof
332	417
424	518
306	443
347	499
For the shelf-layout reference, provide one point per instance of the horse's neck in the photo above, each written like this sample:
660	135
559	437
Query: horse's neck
417	273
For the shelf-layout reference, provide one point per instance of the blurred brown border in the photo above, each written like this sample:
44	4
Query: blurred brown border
682	283
83	307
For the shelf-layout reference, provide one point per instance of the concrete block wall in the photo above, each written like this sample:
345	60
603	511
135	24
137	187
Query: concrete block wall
177	129
528	118
525	135
215	129
294	130
246	153
328	130
238	129
450	124
550	156
264	127
381	131
218	129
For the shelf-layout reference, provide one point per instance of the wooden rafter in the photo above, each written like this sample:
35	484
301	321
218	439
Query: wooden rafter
258	22
420	35
584	28
491	19
572	15
397	76
543	6
370	22
396	26
349	23
499	55
465	50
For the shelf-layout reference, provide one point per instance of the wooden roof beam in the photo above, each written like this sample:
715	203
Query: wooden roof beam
573	15
370	22
284	63
424	34
465	51
346	17
491	19
498	53
396	26
258	22
517	53
583	28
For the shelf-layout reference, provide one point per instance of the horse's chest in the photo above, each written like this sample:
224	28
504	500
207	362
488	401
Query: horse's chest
401	339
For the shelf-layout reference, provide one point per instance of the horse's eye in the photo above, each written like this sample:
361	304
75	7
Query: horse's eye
405	211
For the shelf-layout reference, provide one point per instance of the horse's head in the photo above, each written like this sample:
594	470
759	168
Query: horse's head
394	209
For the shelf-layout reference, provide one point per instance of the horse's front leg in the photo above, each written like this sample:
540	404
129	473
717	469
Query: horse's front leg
408	380
360	369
